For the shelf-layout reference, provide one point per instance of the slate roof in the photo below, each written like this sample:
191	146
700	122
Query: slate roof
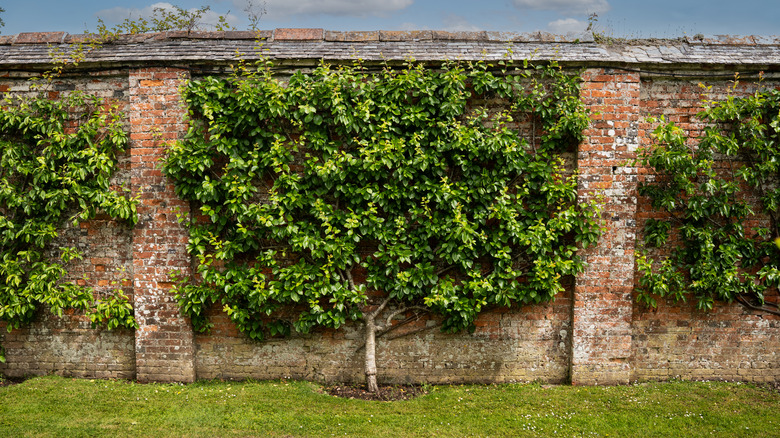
28	50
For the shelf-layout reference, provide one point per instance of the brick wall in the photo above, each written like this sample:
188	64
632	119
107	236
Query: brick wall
68	346
593	333
602	297
511	345
164	349
676	340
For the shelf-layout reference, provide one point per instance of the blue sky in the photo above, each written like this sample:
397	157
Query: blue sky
619	18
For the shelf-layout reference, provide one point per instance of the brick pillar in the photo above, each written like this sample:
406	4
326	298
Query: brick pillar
602	307
164	341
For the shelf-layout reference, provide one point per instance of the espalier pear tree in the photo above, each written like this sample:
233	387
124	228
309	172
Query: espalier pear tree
346	195
56	162
719	195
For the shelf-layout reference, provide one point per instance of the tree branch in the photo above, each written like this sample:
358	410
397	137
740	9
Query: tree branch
307	256
745	303
351	280
381	333
381	307
341	274
443	270
411	332
403	310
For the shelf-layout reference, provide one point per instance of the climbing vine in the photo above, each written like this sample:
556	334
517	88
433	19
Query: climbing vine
56	161
346	194
719	195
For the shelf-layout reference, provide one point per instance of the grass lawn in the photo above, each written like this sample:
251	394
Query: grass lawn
54	406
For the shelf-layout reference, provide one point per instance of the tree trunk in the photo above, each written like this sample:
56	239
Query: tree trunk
371	354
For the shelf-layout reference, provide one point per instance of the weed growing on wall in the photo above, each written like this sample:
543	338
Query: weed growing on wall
347	195
720	196
56	160
164	18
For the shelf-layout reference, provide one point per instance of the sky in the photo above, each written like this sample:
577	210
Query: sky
615	18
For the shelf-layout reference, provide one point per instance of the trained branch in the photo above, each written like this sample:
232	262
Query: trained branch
351	280
745	303
403	310
415	331
381	307
403	323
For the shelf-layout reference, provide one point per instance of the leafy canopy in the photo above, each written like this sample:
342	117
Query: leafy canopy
437	188
720	197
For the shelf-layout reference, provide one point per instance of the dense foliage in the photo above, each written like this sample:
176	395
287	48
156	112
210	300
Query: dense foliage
719	196
340	191
56	160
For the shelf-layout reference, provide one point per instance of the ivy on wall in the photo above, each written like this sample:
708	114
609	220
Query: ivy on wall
719	195
346	194
56	161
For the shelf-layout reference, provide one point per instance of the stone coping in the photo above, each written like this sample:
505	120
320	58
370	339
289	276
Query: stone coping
35	48
316	34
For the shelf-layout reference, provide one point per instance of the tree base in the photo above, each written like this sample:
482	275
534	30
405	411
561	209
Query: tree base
384	393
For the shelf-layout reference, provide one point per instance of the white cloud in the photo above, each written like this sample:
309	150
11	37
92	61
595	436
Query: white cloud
566	25
119	14
456	23
568	6
276	9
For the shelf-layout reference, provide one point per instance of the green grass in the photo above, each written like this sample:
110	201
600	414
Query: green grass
53	406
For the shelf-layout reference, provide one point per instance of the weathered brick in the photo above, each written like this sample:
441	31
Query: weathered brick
600	300
152	284
593	333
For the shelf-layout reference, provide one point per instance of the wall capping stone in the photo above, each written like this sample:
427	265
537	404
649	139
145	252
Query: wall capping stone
32	49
